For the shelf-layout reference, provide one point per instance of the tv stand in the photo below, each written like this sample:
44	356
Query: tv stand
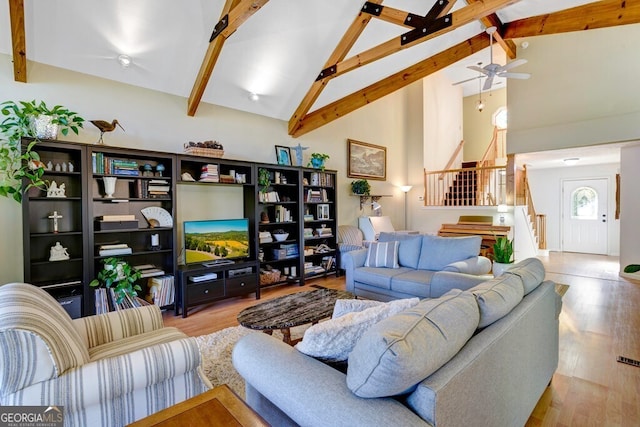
202	283
218	262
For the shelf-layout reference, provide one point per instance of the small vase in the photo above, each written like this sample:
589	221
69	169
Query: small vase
109	186
499	268
42	127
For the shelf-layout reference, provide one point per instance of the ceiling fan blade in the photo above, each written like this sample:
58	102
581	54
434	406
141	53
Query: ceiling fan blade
478	69
513	64
488	83
467	80
521	76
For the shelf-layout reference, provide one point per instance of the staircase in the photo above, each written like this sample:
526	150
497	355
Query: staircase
463	191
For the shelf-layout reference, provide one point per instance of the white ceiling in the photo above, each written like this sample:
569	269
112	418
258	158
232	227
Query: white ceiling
277	53
587	156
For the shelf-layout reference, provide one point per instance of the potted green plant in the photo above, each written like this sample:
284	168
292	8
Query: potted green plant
361	187
264	179
120	276
22	120
502	255
317	160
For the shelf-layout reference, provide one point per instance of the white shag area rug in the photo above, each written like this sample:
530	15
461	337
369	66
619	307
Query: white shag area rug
216	349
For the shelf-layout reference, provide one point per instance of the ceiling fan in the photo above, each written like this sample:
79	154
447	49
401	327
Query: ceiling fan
493	70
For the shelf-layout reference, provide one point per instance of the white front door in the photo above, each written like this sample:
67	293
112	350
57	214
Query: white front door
584	215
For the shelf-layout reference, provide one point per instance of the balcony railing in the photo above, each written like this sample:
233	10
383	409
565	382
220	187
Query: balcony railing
475	186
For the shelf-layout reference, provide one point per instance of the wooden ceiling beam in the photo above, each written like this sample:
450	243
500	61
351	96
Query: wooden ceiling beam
599	14
492	20
236	13
18	40
344	46
399	17
397	81
459	18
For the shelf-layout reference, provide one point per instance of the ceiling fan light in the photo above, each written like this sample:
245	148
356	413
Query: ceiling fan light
124	60
480	105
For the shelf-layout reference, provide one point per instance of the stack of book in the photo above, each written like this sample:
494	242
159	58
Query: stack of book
102	305
282	214
161	290
269	196
122	167
265	237
310	269
158	188
117	222
328	262
209	173
148	270
115	249
316	196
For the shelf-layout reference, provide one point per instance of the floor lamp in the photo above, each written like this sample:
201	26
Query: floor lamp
405	189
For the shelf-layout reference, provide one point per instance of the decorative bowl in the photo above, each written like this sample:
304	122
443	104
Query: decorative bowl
280	237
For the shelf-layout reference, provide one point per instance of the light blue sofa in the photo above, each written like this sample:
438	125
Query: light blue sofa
481	357
430	266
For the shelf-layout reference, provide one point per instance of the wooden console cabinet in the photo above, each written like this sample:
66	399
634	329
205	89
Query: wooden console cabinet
226	281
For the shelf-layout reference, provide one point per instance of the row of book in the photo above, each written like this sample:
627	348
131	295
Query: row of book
151	189
107	165
161	290
327	264
321	179
105	300
269	196
317	196
282	214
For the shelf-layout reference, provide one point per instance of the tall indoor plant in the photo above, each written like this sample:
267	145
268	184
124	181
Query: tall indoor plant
22	120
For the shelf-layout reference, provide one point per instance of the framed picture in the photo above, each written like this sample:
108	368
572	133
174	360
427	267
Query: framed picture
323	211
366	161
283	155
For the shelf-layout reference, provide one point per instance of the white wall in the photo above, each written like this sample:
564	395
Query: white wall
629	206
583	90
157	121
478	125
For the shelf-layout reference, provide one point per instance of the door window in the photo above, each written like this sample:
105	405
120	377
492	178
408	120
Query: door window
584	203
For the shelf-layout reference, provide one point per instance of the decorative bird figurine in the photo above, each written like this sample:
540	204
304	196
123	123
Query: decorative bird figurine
105	126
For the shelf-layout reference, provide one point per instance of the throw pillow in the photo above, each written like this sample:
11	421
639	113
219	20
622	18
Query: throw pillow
334	339
395	354
408	248
382	255
345	306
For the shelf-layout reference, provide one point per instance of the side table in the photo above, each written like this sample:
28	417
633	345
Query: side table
216	407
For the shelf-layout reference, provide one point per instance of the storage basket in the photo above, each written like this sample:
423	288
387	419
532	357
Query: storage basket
269	277
204	152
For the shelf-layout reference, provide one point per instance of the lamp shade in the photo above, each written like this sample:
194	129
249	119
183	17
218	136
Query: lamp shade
406	188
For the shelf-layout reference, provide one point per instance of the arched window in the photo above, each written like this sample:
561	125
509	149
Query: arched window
584	203
499	118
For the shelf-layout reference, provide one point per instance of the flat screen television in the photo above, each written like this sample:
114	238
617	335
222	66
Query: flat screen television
216	241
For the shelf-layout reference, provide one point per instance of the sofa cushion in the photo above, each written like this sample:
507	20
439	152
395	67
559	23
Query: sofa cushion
378	277
409	249
437	252
530	271
334	339
497	297
413	282
382	255
400	351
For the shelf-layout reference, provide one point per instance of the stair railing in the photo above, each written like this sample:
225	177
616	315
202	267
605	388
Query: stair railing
539	222
453	187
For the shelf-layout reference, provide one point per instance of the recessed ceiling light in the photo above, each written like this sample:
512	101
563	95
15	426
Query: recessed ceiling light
571	161
254	97
124	60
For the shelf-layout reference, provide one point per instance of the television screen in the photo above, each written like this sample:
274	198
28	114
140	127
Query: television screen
216	240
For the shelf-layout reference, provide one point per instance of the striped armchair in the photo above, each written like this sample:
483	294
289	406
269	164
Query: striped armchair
109	370
350	238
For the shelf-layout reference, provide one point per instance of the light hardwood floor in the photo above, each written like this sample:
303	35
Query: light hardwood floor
600	320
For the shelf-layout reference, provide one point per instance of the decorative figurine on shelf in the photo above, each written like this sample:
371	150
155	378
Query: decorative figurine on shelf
58	168
155	242
71	167
58	253
55	217
159	169
105	126
64	167
147	170
49	166
264	218
55	191
299	149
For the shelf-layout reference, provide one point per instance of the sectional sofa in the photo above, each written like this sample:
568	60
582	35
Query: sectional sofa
418	265
480	357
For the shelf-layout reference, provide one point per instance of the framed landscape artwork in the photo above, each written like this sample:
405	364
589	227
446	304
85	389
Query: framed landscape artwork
366	161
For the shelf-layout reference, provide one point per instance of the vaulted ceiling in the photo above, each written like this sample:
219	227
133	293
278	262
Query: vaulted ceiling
310	62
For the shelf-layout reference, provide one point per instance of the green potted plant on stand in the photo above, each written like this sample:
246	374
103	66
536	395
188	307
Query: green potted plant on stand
361	187
317	160
118	275
29	120
502	255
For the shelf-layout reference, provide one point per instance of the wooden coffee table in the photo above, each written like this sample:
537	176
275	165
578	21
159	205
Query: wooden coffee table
291	310
218	407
